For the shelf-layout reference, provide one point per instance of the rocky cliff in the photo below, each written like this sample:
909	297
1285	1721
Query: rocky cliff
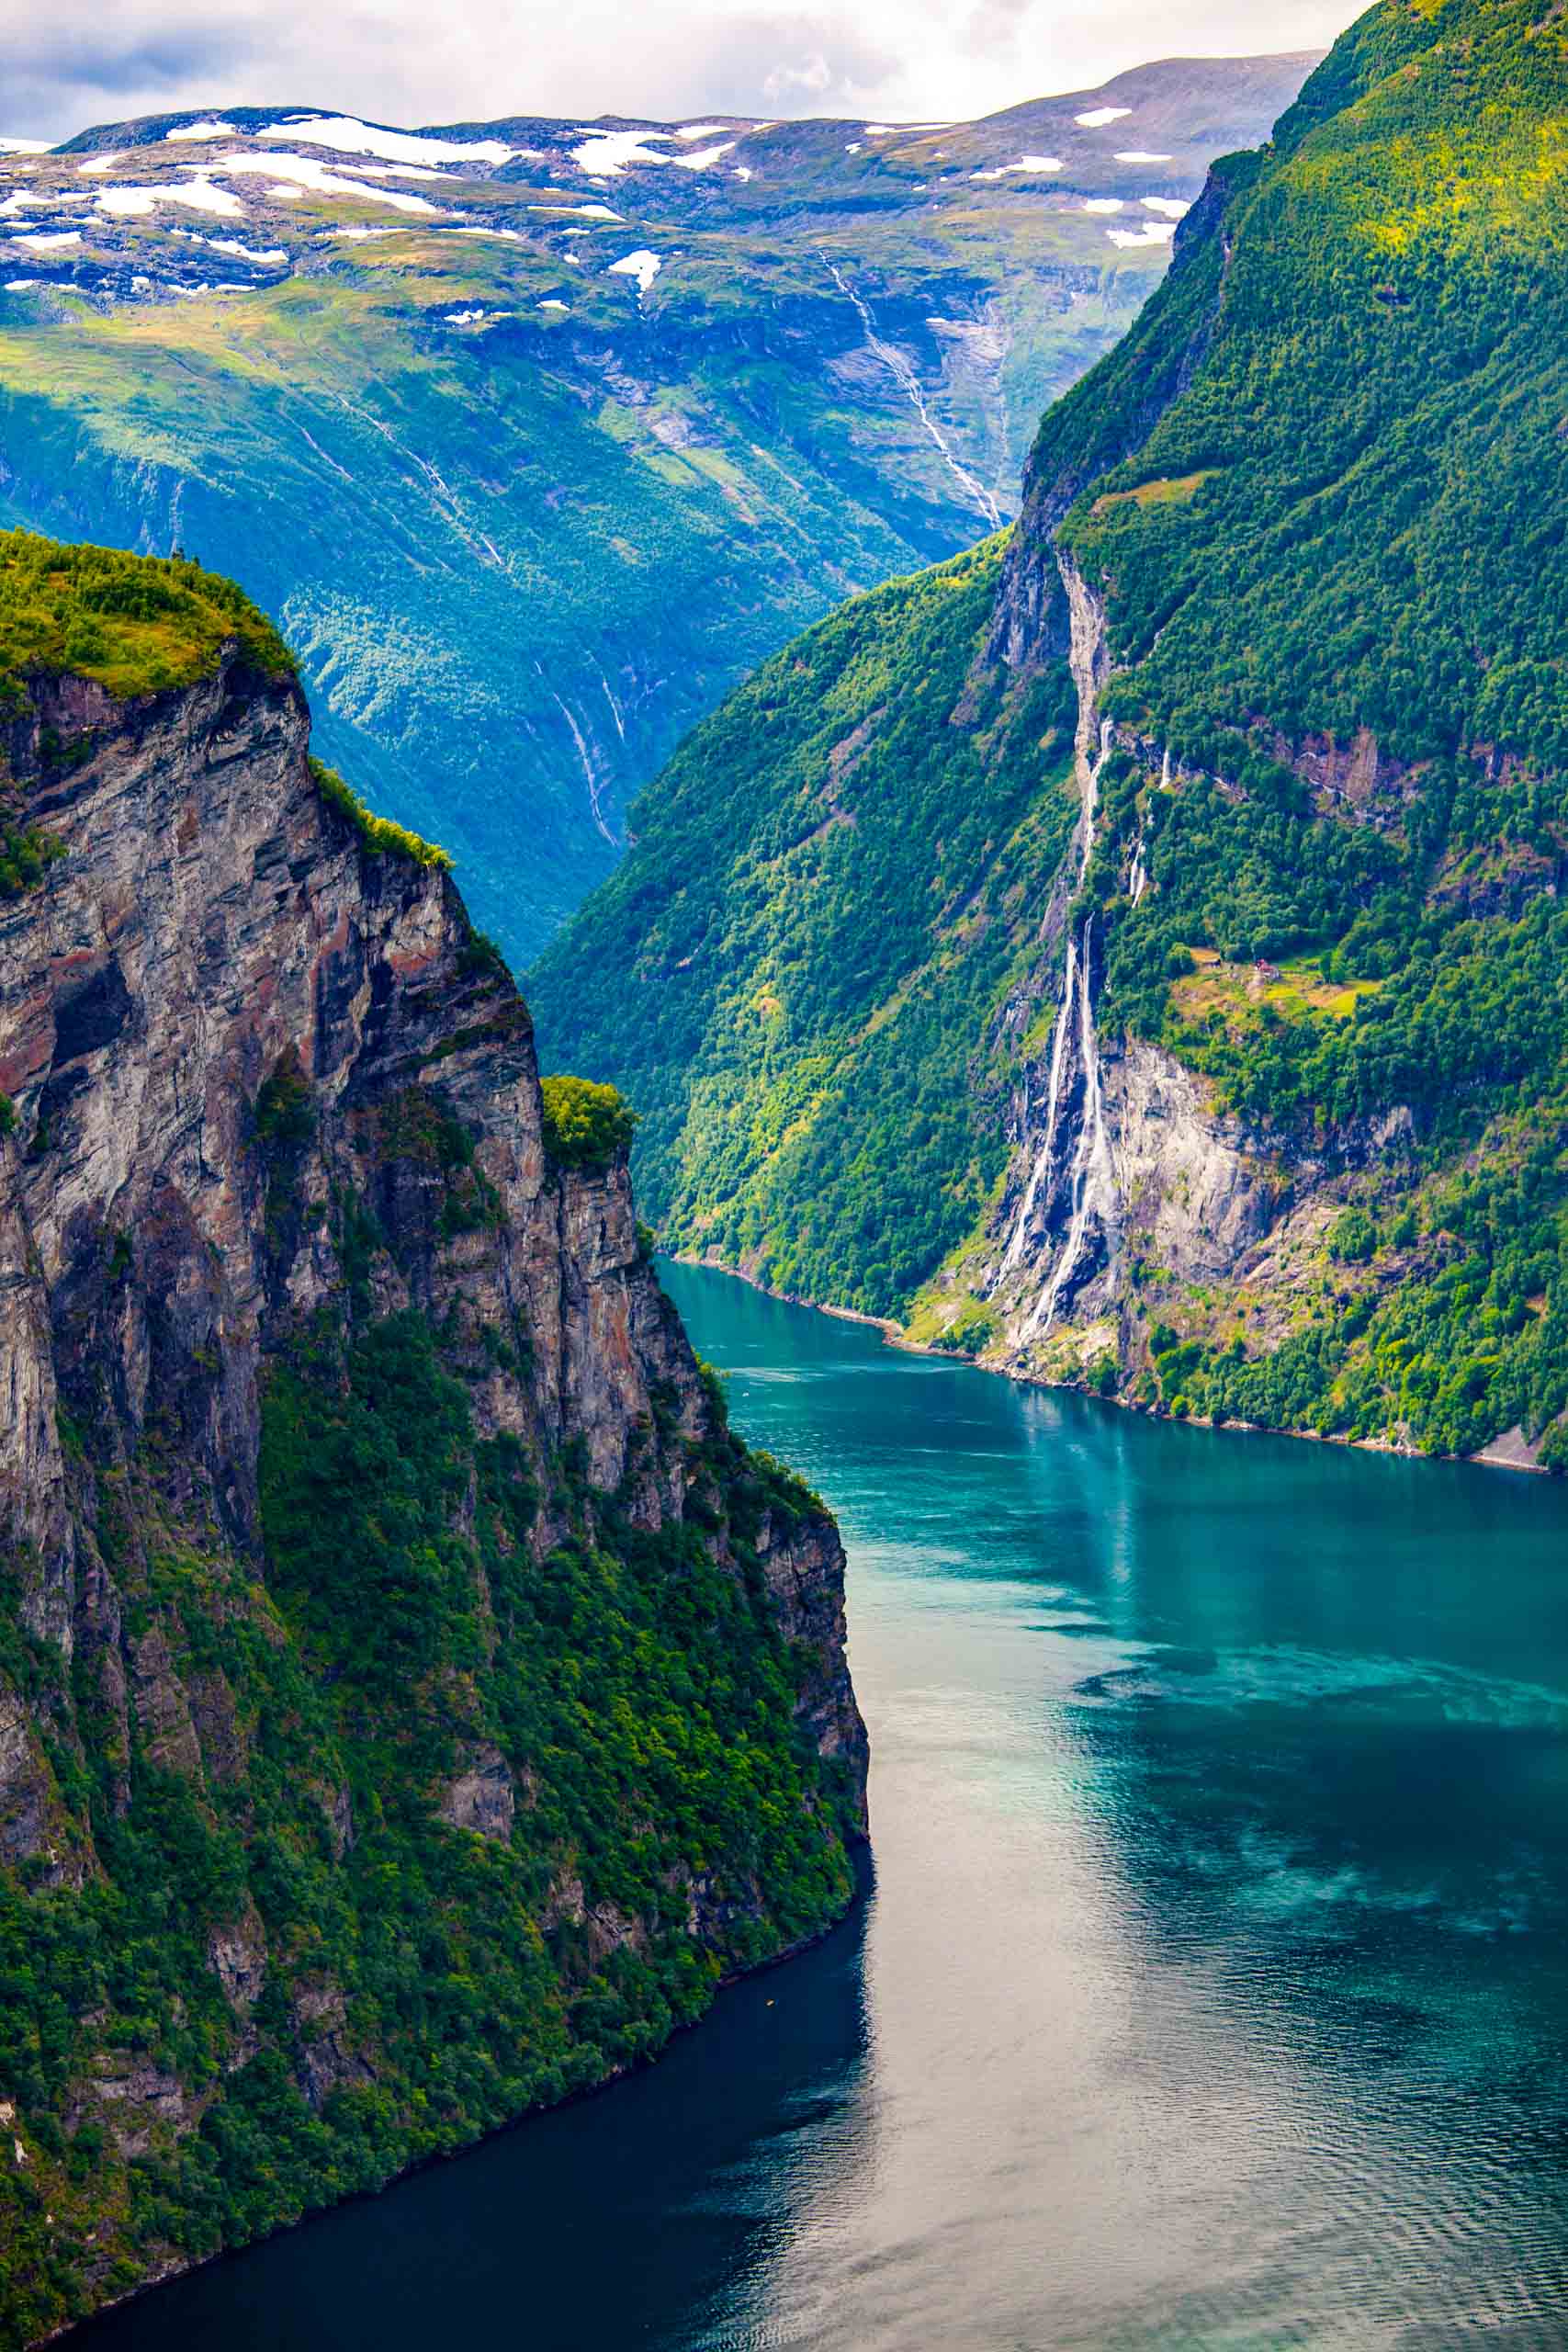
413	1699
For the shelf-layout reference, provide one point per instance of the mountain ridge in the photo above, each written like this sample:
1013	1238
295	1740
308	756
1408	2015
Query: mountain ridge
1253	1108
524	516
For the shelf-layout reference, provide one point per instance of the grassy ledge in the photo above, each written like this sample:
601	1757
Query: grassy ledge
137	624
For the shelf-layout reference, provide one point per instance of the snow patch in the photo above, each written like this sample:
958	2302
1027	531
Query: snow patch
20	285
1105	204
197	195
1139	155
352	137
702	130
1098	117
1148	232
310	172
268	257
97	165
577	211
1025	164
549	303
704	161
24	147
46	241
511	236
743	173
207	129
642	266
464	318
605	154
1172	207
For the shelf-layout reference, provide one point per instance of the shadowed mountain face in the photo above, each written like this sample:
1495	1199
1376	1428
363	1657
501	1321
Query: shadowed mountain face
538	435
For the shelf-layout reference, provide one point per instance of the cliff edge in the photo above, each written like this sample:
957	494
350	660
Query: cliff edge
413	1700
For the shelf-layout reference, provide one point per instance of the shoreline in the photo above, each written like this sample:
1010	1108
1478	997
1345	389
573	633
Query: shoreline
892	1336
863	1868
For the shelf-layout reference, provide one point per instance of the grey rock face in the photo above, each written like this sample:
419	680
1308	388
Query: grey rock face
236	1036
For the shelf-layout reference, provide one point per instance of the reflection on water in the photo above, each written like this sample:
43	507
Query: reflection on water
1210	1992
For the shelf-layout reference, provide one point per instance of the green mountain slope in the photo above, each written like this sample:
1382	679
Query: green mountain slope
1270	1077
526	505
828	889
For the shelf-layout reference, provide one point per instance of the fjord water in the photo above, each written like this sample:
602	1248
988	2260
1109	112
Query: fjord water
1213	1986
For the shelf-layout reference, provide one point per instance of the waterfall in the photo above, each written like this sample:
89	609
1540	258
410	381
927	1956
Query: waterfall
1052	1105
1094	1181
908	384
1073	1001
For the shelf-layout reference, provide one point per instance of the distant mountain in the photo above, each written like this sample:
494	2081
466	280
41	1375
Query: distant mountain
538	435
1138	955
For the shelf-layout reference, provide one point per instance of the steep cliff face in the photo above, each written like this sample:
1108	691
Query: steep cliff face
1231	1055
413	1700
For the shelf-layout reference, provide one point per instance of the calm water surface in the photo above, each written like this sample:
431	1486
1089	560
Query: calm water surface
1212	1990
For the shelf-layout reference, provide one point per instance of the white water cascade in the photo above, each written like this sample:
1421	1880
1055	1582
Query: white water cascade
1052	1106
1094	1180
1072	1010
908	384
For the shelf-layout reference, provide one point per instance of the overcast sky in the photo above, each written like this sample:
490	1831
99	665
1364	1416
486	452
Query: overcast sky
67	64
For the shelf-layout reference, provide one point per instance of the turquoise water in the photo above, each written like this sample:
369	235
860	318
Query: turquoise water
1211	1990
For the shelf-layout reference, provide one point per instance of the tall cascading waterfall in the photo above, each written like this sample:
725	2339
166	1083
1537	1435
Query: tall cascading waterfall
1091	1177
1014	1253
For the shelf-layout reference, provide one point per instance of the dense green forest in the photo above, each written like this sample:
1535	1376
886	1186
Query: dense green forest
1320	495
441	1977
134	624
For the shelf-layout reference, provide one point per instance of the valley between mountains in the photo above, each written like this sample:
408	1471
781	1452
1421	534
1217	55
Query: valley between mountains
535	436
1133	954
1122	941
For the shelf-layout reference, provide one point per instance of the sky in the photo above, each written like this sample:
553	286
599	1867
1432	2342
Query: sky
70	63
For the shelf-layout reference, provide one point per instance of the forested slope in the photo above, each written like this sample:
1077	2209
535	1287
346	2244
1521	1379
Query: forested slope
1293	1152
